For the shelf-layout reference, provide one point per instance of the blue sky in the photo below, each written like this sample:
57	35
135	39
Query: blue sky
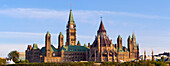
24	22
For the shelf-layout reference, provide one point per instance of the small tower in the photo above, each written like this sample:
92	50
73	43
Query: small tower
27	51
101	30
134	38
60	41
89	45
71	31
130	45
153	56
138	52
48	44
119	41
134	41
78	43
145	55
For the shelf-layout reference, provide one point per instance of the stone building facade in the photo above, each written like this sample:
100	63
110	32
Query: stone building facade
102	49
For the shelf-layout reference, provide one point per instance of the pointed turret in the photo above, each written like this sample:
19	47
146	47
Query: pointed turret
130	45
48	44
133	35
145	55
129	38
71	20
71	31
119	37
35	46
60	41
78	43
153	56
61	34
119	42
101	28
48	34
134	41
29	47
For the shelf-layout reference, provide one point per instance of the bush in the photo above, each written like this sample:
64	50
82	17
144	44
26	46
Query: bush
147	63
2	61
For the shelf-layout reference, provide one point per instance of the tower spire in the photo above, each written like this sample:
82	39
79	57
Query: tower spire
101	28
71	31
71	20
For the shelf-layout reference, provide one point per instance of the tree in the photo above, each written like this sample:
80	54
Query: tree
2	61
153	59
14	55
162	58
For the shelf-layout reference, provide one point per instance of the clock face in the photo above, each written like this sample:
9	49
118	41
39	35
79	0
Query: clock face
71	26
53	54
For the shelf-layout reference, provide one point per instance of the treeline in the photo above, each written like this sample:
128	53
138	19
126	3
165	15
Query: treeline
2	61
141	63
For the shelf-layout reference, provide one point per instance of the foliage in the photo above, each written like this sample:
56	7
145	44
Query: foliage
153	59
144	63
162	58
14	55
25	61
2	61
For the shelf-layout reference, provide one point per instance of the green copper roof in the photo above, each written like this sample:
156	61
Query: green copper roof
119	37
129	37
121	50
72	48
71	20
133	35
85	45
48	34
78	43
53	49
61	34
35	46
43	49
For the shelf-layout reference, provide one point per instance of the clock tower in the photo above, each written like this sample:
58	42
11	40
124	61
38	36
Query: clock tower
71	31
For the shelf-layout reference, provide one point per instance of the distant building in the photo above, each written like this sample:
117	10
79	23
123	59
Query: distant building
156	57
2	58
21	56
102	49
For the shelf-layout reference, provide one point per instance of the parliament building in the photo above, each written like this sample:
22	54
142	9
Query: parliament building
102	49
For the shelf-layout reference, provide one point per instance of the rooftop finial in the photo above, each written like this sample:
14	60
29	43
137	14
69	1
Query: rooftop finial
101	18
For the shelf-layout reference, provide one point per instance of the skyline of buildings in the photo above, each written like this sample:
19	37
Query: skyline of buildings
102	49
22	23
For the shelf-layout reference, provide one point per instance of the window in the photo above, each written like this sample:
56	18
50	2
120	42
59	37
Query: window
47	60
48	53
50	60
53	60
72	39
56	60
73	34
53	54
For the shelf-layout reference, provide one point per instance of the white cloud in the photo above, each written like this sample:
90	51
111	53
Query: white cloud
36	13
20	35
